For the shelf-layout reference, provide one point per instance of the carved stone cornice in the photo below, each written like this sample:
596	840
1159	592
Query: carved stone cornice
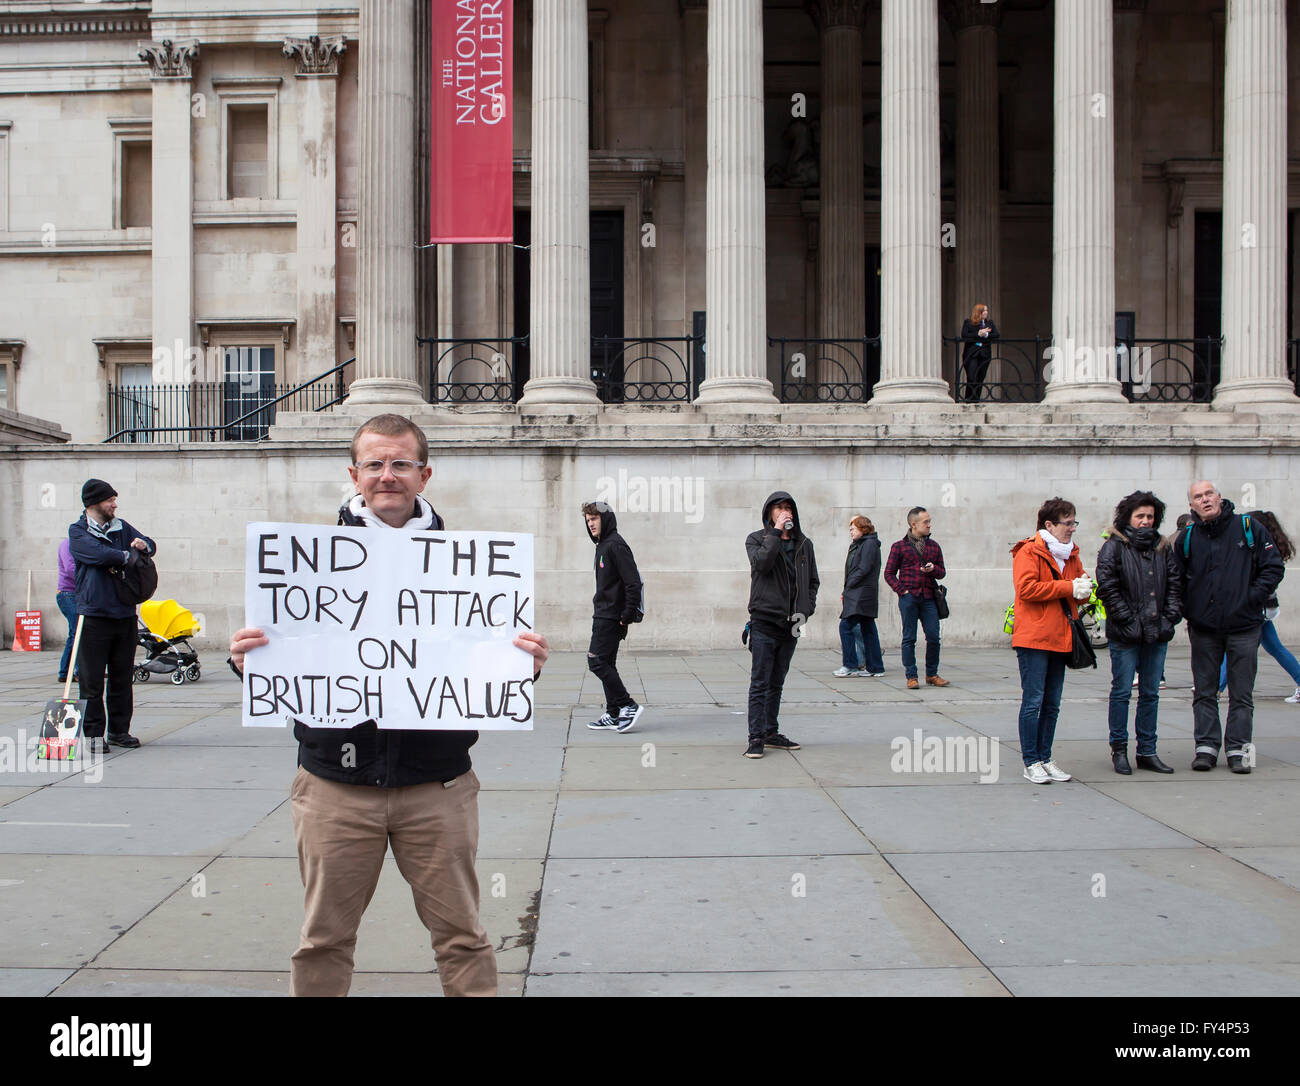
60	24
316	56
170	61
828	14
963	14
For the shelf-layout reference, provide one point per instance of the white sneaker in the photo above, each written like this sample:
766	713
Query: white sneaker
628	716
1054	771
841	672
1135	679
861	673
1036	774
1294	699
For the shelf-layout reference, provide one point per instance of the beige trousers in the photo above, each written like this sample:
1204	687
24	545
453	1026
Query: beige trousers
343	833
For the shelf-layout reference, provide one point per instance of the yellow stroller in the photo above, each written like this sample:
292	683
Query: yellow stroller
164	626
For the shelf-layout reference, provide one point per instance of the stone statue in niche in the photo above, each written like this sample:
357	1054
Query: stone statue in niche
800	168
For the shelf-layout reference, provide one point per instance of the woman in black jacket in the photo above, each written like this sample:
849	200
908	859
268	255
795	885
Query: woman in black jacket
861	601
1138	583
978	331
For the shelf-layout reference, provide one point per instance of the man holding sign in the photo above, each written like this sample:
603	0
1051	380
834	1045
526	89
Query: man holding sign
404	775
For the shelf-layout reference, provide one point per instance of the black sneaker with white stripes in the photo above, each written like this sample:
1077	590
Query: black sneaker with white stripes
776	739
629	715
604	724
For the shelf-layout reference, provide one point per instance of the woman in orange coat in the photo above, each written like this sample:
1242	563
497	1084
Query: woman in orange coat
1049	579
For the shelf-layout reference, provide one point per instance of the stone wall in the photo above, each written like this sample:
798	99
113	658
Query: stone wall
687	486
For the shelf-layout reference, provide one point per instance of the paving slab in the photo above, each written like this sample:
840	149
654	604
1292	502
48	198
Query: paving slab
158	765
1160	906
516	760
31	982
703	822
1222	979
632	766
250	916
954	981
1219	808
1281	863
713	913
63	910
869	765
132	821
182	983
12	792
984	819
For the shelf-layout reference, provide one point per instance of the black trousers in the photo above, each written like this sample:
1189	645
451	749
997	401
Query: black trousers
767	672
107	645
606	633
1208	650
976	366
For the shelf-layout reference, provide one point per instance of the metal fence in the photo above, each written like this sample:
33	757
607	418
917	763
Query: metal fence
1014	373
472	370
827	370
215	410
1169	370
647	370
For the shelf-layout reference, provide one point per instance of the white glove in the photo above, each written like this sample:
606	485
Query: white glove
1082	587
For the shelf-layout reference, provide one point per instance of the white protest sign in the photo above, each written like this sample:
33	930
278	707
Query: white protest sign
411	629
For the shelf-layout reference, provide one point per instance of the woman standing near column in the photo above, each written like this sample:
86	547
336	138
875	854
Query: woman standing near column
860	601
978	331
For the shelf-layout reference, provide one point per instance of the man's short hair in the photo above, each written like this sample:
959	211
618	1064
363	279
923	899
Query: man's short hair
913	513
1055	510
392	426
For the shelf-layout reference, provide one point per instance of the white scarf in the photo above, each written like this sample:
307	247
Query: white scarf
422	520
1060	551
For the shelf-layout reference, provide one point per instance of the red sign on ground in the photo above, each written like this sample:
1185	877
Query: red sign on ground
27	631
473	145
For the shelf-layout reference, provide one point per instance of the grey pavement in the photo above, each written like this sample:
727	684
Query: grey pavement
900	852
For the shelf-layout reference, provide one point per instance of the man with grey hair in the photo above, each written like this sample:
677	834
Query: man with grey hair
1228	567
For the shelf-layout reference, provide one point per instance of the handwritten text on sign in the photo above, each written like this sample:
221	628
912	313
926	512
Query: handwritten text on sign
410	629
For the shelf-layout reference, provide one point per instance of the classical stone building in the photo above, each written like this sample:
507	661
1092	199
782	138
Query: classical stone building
746	233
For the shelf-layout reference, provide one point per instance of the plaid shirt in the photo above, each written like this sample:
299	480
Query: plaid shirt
903	570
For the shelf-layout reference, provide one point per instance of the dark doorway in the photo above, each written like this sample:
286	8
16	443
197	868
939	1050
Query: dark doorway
871	323
607	303
606	298
1207	302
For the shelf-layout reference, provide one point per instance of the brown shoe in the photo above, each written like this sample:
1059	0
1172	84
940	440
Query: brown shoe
913	684
934	680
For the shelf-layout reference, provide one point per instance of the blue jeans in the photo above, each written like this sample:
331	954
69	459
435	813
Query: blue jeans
911	608
770	662
68	605
1042	677
853	629
1272	644
1148	662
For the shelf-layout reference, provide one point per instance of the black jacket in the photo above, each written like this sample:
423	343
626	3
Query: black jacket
1140	589
862	578
618	583
384	757
1224	584
775	597
95	555
976	348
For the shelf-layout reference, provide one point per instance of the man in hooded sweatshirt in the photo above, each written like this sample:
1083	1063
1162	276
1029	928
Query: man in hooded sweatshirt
616	604
783	585
359	790
1228	567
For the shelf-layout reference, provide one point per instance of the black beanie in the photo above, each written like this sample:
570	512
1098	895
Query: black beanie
96	491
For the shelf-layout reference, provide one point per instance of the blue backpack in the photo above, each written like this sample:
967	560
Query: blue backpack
1245	527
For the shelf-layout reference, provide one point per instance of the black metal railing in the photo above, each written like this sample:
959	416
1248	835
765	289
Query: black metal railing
215	410
827	370
1014	373
646	370
472	370
1169	370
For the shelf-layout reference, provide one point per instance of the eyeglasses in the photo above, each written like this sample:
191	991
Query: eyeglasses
397	467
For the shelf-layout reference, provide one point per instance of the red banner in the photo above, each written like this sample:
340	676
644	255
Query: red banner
473	106
27	631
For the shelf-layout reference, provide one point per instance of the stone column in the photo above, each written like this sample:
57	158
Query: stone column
841	248
911	354
387	366
1129	239
171	71
317	86
1083	207
1253	371
978	266
735	262
560	336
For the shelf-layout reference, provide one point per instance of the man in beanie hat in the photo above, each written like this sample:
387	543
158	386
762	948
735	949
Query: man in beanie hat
101	542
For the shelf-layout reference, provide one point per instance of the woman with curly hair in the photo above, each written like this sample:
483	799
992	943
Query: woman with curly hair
1138	583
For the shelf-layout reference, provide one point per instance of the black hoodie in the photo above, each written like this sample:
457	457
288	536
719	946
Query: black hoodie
384	757
618	583
1224	583
775	595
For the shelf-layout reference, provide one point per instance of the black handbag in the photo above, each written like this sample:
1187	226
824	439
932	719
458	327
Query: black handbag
1081	654
941	600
